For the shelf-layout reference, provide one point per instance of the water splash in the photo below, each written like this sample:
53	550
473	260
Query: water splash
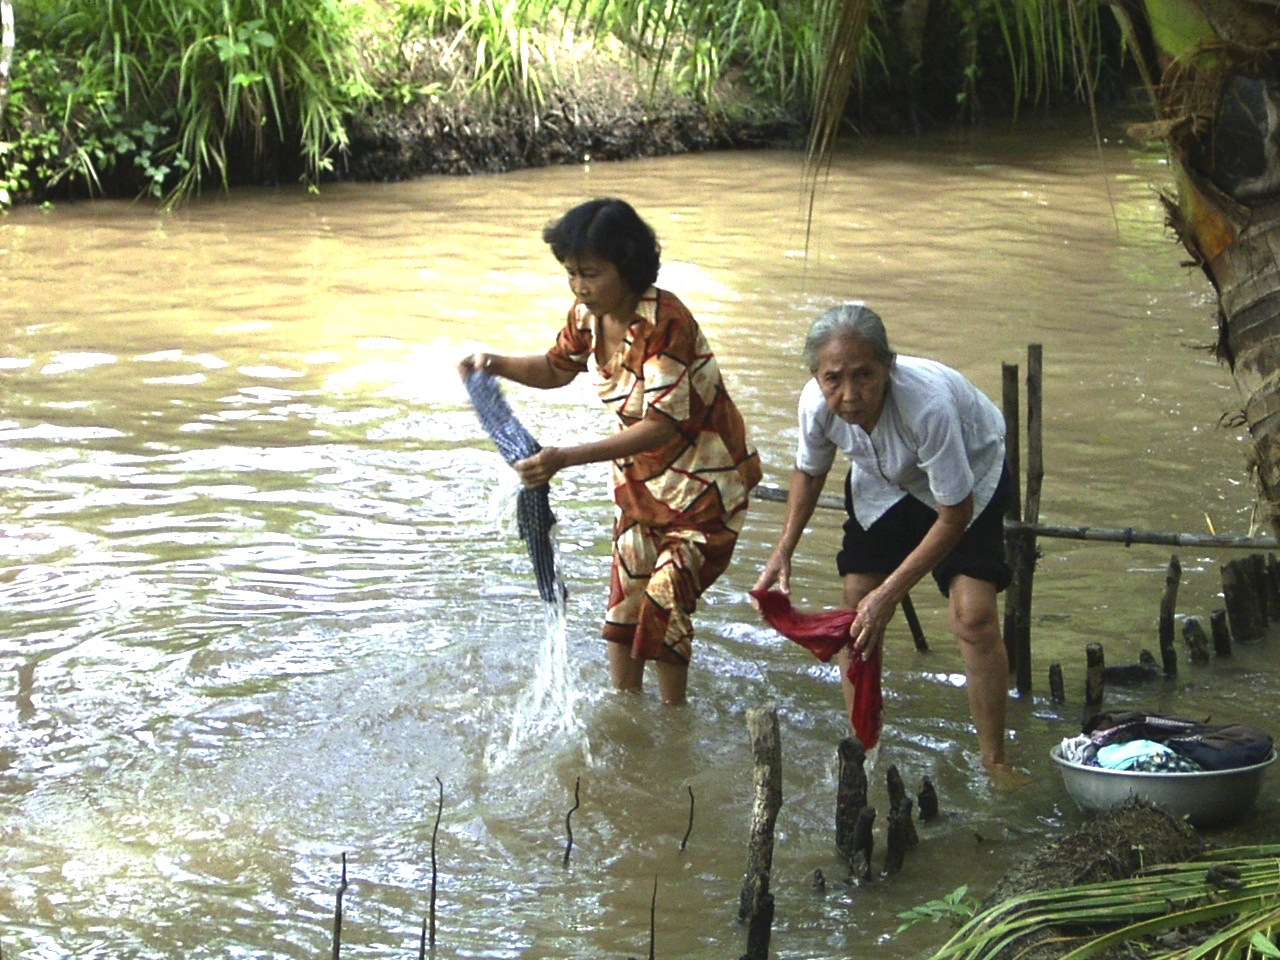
547	704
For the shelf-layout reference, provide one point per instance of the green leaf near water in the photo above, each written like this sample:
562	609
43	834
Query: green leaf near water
1263	945
957	907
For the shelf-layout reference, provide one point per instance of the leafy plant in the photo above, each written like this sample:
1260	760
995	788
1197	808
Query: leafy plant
956	907
220	81
1225	902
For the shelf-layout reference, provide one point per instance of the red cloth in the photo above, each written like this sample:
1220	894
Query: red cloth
823	634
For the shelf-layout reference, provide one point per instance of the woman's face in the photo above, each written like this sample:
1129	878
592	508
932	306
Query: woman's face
599	287
853	381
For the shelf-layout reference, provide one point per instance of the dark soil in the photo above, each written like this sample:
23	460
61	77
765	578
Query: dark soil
608	119
1112	846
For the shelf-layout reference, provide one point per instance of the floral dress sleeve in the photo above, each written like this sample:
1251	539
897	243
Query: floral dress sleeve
574	343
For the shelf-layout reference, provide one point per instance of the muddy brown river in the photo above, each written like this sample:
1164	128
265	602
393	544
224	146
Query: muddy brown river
260	586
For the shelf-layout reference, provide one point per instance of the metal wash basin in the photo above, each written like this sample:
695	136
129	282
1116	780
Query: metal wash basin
1208	798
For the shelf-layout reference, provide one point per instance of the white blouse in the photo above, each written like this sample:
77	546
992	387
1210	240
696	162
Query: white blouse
938	439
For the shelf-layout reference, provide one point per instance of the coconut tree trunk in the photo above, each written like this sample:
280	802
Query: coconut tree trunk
6	52
1213	70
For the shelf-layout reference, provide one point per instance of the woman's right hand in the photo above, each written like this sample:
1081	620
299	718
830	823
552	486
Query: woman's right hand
473	362
777	569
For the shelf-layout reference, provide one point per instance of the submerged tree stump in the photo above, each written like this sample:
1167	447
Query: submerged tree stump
897	797
851	795
1273	587
901	836
755	907
1245	613
1196	640
1093	682
1168	606
864	843
1221	635
1057	691
927	800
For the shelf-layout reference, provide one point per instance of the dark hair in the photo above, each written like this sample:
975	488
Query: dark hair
611	230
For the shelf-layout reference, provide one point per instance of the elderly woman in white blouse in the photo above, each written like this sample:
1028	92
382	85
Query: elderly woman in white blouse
926	493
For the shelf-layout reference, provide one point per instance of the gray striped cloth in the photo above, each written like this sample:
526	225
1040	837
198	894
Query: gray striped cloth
533	505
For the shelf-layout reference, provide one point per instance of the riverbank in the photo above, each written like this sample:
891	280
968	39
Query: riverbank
608	119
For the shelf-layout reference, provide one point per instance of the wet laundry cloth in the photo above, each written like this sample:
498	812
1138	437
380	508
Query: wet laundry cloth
1132	753
1210	746
1080	749
823	635
533	505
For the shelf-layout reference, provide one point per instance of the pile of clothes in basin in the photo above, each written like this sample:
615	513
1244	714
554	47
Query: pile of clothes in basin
1136	741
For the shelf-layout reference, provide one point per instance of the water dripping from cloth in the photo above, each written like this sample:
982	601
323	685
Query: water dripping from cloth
546	704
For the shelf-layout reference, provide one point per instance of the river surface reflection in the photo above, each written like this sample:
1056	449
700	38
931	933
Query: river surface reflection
259	586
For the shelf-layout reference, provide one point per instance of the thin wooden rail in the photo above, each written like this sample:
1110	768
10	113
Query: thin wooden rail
1126	535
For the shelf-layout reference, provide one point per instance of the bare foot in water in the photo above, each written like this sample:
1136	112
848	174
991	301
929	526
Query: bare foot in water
1005	776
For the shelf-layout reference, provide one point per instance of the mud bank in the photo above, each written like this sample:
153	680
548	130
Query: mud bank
615	121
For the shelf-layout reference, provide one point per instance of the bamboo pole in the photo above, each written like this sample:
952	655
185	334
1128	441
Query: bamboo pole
435	876
1128	536
1013	512
337	911
1030	513
913	624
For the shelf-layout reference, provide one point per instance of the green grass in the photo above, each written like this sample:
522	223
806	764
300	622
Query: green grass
166	96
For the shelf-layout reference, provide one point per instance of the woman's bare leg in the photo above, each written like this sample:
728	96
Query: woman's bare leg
625	673
673	678
976	625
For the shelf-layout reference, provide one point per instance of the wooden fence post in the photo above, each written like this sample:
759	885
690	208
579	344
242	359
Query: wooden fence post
1030	512
755	906
1013	512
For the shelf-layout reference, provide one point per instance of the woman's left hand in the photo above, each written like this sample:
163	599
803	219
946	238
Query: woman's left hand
542	466
875	610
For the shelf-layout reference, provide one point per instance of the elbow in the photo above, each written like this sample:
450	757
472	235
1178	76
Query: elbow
957	517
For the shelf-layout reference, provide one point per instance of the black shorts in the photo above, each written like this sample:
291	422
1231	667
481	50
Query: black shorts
881	549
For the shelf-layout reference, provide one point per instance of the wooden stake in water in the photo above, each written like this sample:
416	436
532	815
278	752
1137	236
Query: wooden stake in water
755	907
568	825
337	912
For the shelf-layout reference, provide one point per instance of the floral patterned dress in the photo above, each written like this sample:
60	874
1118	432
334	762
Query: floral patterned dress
680	507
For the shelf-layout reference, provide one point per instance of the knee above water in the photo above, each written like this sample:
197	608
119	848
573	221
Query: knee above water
974	622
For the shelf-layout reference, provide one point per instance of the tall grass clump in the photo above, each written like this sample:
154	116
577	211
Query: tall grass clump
777	47
170	92
502	47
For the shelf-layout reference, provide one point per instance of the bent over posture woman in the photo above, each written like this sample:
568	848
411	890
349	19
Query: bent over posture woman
925	493
682	463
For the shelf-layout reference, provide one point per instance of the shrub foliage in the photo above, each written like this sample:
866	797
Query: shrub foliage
160	97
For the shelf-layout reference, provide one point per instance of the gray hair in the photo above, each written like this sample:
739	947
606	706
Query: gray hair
854	319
